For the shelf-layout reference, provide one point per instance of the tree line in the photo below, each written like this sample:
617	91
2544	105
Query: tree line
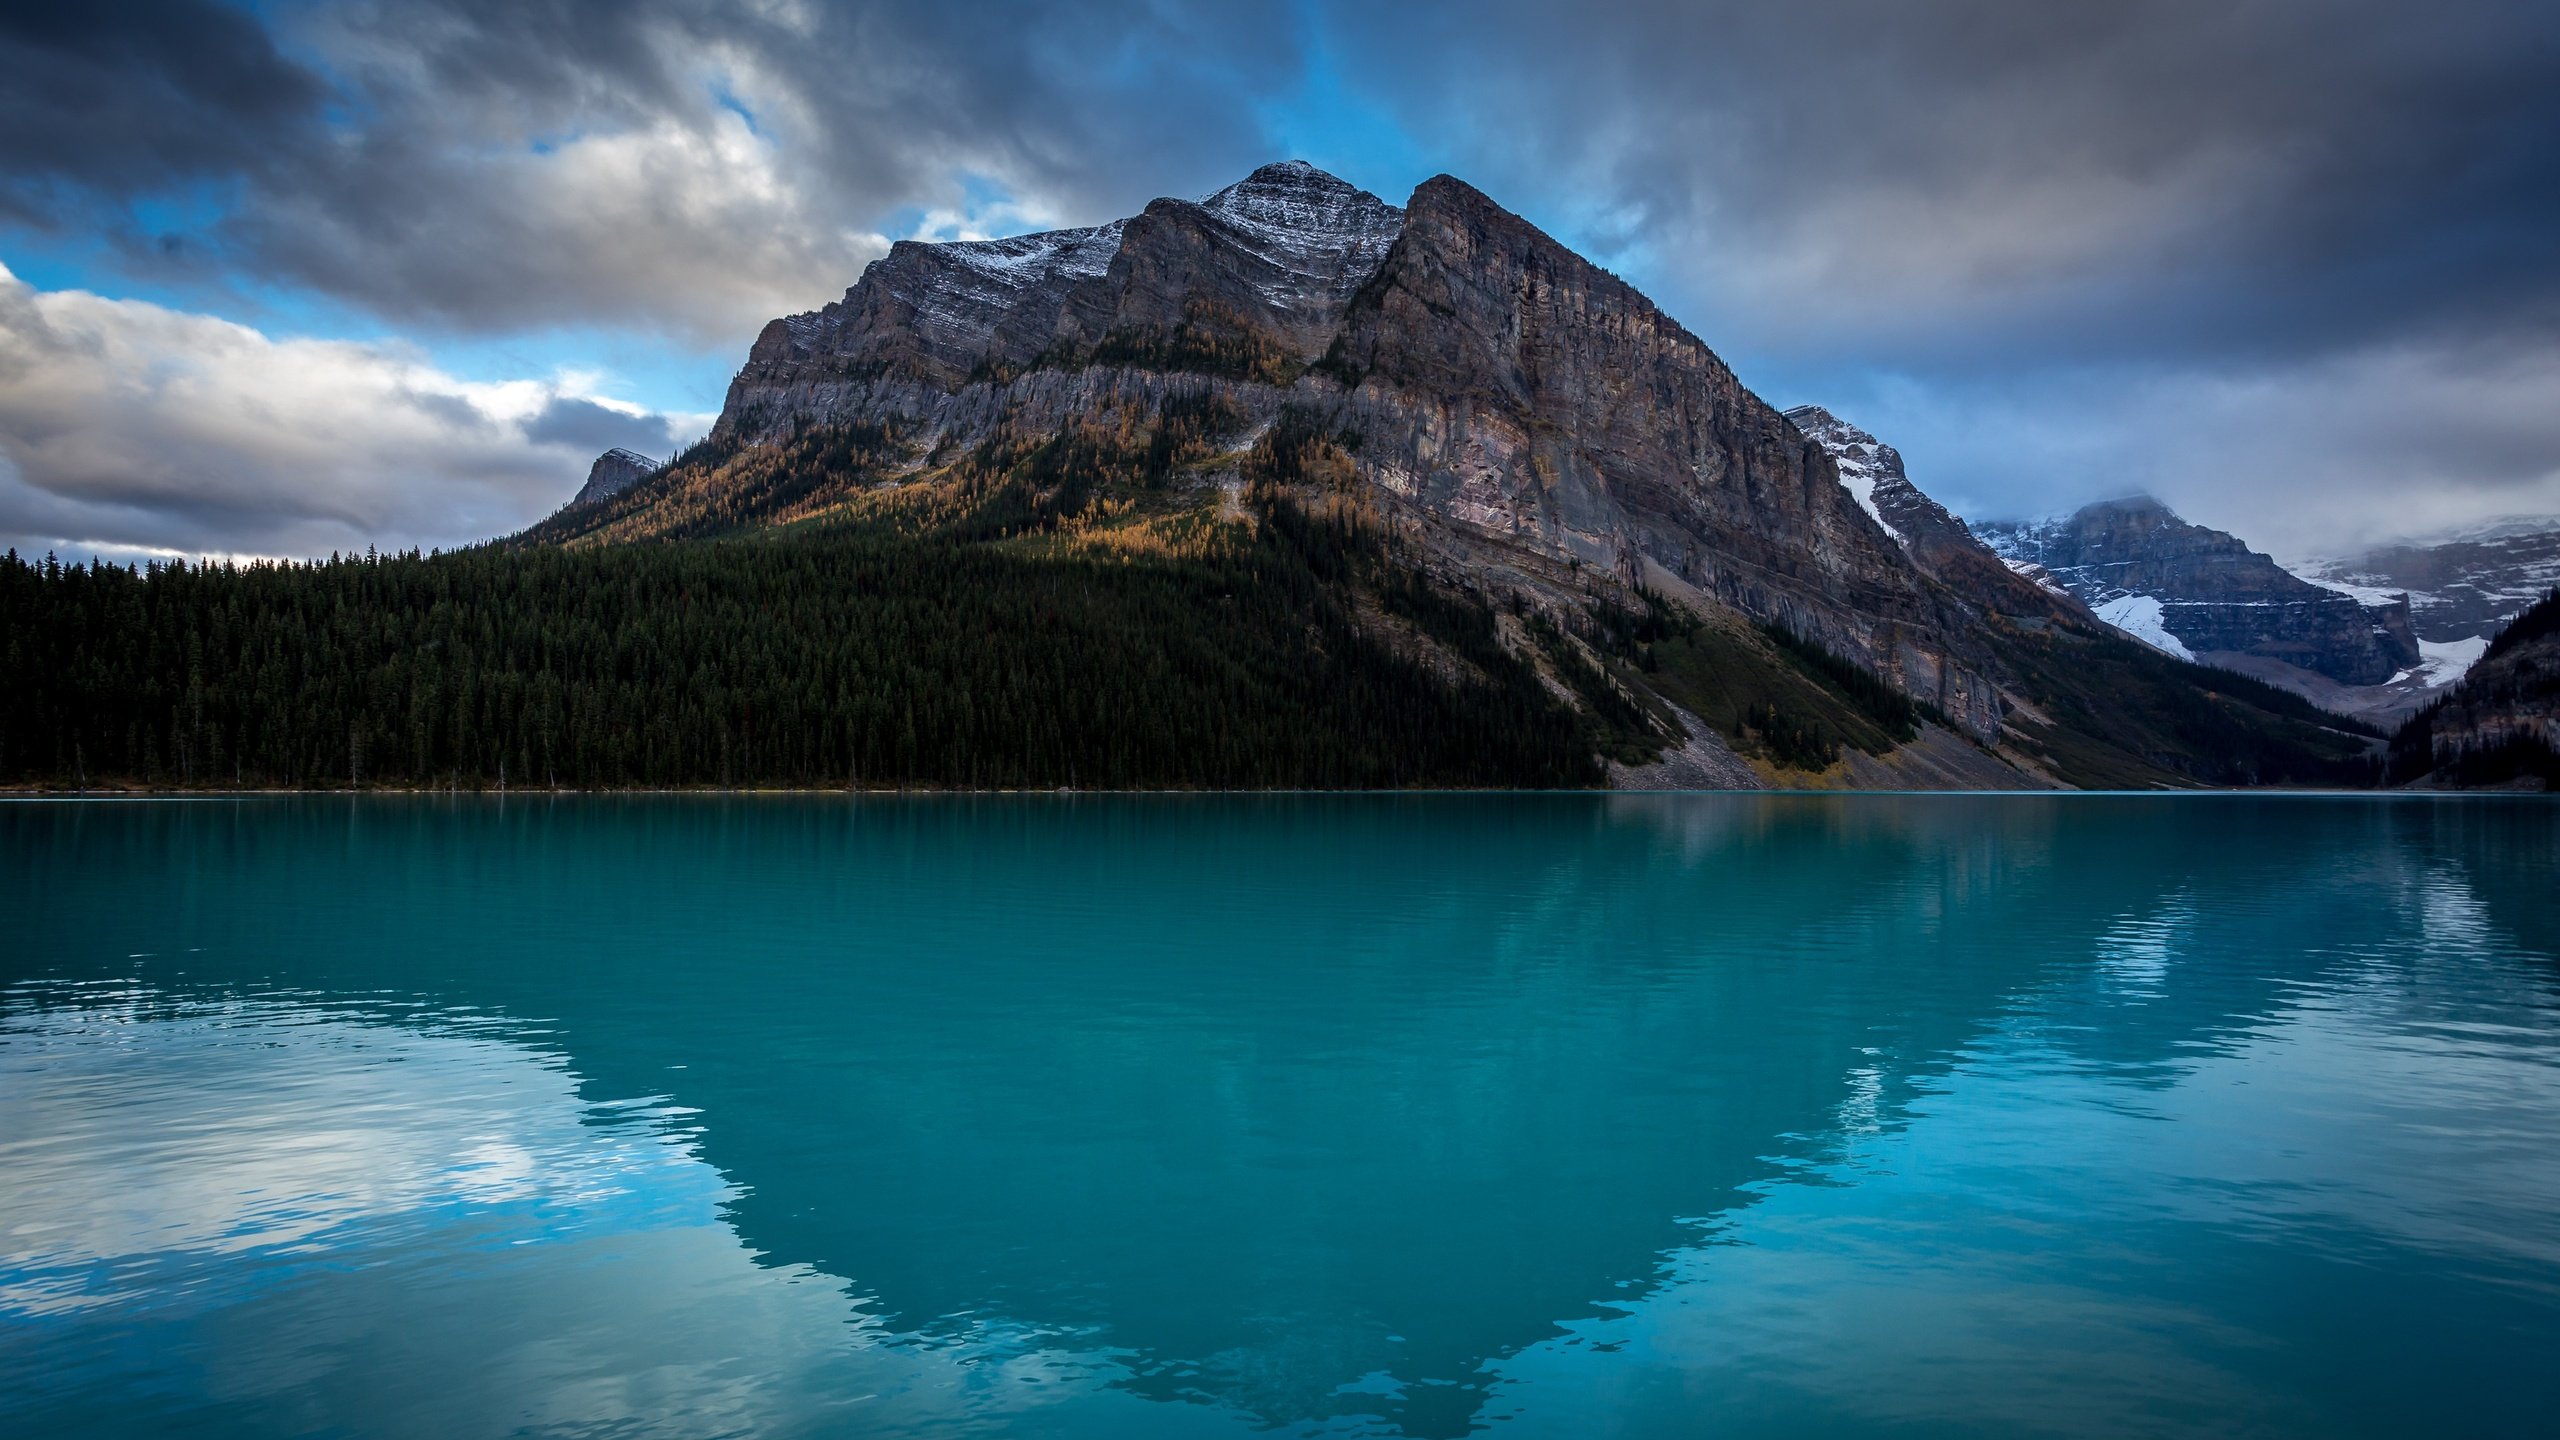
864	659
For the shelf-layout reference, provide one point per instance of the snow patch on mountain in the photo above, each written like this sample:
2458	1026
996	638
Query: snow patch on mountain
2033	571
2139	617
2449	660
2372	597
1021	260
1864	462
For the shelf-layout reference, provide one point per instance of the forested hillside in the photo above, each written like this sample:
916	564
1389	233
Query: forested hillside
836	658
2501	726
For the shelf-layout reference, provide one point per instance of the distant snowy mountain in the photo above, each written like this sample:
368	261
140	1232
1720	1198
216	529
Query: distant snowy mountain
2460	590
2202	594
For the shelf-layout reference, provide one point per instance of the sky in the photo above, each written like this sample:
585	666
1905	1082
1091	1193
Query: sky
286	278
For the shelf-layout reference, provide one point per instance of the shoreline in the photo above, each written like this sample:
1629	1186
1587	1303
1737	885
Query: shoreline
141	792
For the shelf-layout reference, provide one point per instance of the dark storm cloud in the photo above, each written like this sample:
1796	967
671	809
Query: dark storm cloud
128	97
693	167
585	426
1964	182
1971	179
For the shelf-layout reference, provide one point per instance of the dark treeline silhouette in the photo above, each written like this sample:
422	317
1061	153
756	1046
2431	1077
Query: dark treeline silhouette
2492	753
835	659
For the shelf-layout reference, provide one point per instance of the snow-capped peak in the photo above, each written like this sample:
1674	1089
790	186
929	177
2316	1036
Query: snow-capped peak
1308	222
1862	460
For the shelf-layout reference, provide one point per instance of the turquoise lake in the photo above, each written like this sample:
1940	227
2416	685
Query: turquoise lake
1205	1116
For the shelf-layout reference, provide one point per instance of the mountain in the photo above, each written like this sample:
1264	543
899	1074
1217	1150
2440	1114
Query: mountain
1497	428
2461	590
2500	727
1941	545
2200	593
1282	487
615	471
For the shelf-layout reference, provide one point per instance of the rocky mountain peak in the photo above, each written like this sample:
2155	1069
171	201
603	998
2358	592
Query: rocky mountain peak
615	471
1292	189
1312	225
1939	543
1865	463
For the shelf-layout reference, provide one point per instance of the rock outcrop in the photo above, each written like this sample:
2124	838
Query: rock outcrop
615	471
2199	592
1252	279
1943	546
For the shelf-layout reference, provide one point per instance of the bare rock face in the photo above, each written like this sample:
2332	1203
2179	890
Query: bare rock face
2201	591
615	471
1279	252
1942	546
1532	413
2465	587
1267	263
1504	384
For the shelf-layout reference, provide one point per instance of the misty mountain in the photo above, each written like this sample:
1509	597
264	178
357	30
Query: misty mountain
2200	593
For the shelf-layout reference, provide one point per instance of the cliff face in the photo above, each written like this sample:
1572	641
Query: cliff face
1252	280
615	471
1534	414
2198	591
1507	387
2463	588
1941	545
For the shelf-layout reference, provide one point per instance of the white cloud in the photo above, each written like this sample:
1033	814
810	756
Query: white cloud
2302	460
127	427
689	224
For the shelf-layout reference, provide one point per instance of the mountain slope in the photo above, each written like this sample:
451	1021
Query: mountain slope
2500	727
1941	545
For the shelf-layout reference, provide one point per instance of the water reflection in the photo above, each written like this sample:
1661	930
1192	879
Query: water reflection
1341	1116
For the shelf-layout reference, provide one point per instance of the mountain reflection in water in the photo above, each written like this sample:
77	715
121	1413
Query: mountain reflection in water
1636	1115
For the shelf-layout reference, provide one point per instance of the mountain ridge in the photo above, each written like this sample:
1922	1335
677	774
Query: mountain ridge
1529	432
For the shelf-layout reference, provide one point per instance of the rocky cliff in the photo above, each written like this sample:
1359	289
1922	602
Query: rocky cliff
1535	435
2200	593
615	471
1940	544
1251	281
2461	589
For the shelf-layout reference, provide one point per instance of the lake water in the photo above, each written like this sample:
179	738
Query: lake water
1560	1115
